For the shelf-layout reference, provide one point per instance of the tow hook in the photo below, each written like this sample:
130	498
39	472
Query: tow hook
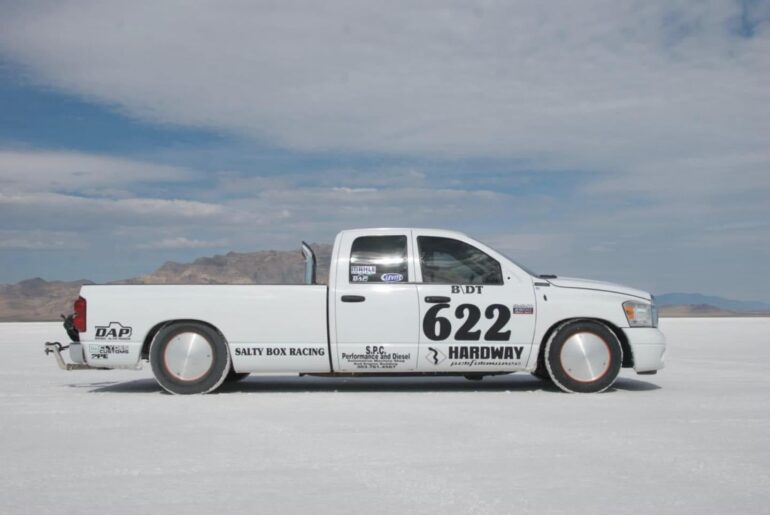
55	348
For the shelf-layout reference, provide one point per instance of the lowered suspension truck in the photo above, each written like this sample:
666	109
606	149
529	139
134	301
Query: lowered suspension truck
399	301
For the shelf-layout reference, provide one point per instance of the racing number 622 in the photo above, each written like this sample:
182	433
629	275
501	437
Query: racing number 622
439	328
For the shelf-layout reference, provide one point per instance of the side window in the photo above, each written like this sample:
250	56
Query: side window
448	261
379	259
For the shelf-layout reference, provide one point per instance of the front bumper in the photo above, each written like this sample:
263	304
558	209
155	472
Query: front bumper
648	346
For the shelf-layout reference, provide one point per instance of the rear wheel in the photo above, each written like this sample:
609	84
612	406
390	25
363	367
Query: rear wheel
583	357
188	358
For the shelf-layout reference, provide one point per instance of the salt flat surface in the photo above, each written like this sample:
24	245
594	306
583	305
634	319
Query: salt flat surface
693	439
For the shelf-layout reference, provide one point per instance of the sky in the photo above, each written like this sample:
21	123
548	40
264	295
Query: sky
615	140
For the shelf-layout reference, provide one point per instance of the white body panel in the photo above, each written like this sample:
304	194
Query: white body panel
379	334
311	329
255	321
459	353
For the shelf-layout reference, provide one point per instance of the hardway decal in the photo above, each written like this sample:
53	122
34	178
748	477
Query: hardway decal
482	356
435	356
113	331
502	352
363	269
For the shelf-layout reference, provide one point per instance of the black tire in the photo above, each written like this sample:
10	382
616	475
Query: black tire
210	380
611	363
234	377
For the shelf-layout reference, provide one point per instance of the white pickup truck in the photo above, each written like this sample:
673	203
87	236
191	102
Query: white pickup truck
399	301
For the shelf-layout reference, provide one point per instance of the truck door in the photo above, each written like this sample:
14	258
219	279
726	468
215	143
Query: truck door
477	314
375	303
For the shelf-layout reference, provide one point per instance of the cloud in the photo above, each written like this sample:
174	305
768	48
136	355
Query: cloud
36	170
182	243
37	240
663	99
436	78
86	209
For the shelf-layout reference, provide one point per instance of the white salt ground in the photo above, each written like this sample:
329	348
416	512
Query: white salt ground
693	439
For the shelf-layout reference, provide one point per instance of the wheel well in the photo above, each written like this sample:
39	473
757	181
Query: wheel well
628	356
157	327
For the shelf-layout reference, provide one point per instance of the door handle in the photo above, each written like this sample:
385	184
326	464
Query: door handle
353	298
436	300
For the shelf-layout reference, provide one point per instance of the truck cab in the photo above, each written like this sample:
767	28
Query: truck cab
431	300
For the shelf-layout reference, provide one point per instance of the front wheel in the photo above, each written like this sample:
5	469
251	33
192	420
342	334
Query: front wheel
583	357
189	357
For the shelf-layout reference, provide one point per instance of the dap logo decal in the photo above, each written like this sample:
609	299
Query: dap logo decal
435	356
114	331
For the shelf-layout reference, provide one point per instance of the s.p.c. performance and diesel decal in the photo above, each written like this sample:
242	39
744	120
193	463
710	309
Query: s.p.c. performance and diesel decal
392	278
376	357
113	331
437	328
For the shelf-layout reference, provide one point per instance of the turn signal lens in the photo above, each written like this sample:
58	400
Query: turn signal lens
639	314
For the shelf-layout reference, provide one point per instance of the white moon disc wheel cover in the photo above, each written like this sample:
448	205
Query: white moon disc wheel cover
585	357
188	356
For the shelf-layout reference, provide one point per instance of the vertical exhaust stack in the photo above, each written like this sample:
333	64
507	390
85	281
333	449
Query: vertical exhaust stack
310	263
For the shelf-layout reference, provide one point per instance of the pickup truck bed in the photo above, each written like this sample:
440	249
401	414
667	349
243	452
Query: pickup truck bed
273	320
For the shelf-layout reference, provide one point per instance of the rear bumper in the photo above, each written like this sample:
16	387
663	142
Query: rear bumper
76	354
648	346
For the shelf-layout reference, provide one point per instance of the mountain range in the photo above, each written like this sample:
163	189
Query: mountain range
679	299
37	299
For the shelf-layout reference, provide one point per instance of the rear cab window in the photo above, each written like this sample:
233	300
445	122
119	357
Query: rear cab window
379	259
450	261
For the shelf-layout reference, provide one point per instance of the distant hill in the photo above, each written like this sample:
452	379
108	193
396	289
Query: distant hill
36	299
263	267
39	300
696	299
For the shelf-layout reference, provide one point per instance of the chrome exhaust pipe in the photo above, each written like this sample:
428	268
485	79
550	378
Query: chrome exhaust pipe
310	263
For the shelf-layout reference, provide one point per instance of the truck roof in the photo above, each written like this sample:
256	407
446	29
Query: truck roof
444	232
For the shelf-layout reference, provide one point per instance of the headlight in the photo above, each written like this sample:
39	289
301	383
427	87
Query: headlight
641	314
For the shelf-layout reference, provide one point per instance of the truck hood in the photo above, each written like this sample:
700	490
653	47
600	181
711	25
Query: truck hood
587	284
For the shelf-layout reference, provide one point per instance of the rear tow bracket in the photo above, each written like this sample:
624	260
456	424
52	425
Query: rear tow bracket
55	348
